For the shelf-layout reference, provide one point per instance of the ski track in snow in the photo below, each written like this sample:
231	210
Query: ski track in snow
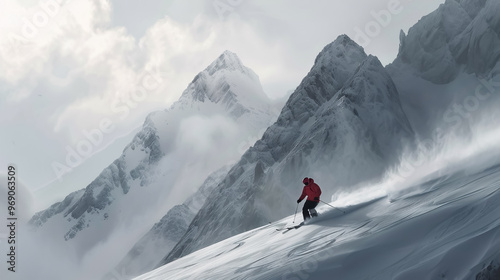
440	232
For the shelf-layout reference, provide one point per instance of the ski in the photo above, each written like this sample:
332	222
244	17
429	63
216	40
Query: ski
289	228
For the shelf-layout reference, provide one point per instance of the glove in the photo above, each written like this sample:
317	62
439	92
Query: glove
298	200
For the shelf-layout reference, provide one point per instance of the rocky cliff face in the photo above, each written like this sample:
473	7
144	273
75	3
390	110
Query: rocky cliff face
460	34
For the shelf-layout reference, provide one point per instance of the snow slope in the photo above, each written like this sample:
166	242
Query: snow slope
342	125
446	227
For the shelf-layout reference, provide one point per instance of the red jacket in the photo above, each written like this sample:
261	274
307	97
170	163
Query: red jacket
312	191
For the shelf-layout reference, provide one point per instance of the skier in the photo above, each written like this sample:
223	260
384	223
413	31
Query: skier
312	191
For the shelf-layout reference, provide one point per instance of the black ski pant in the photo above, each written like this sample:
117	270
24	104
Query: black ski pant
308	205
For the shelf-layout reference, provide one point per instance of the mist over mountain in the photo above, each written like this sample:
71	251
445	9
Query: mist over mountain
214	121
167	232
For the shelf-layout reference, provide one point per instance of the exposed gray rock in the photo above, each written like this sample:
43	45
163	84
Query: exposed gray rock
459	33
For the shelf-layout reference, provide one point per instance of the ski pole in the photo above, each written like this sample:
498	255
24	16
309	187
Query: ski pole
296	208
332	206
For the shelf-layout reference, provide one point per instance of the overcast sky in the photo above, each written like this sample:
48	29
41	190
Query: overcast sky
76	70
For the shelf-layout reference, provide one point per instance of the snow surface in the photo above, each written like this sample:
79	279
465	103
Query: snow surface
446	227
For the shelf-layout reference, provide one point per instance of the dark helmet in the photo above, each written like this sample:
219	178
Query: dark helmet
305	181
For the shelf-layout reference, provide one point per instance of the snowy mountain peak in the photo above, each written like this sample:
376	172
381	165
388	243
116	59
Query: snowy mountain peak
229	83
333	66
229	61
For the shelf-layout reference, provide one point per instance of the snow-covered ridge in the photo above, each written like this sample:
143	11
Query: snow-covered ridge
41	217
